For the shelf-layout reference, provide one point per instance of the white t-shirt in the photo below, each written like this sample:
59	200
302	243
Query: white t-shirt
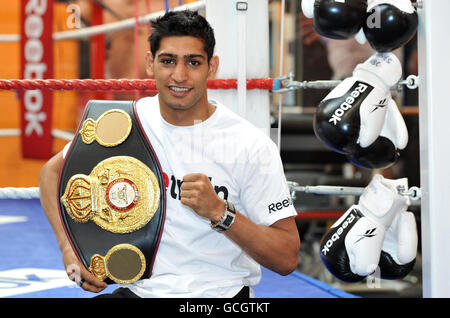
244	167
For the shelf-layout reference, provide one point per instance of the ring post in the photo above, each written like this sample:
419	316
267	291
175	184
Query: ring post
434	151
224	18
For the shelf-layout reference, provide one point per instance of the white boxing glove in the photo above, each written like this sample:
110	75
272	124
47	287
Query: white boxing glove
353	114
395	127
399	250
384	151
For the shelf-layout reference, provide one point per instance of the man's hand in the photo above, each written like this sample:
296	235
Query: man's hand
275	247
48	185
198	193
78	273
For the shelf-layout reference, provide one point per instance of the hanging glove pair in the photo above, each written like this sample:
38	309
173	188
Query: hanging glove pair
375	235
360	119
385	24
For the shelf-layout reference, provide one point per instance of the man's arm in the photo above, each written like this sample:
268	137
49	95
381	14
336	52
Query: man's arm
275	247
48	187
48	183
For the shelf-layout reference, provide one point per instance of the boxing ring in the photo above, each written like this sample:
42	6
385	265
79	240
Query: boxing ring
37	271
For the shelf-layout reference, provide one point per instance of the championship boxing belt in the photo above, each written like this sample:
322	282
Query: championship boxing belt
112	194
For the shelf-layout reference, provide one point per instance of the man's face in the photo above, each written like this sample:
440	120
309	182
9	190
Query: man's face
180	68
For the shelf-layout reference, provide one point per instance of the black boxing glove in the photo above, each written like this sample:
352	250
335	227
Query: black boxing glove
390	24
336	19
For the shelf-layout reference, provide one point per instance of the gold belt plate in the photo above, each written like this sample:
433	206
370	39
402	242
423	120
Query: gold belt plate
121	195
109	130
124	264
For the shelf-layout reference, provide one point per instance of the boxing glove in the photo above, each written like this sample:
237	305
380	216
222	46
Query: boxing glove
351	248
353	114
336	19
399	250
385	151
390	24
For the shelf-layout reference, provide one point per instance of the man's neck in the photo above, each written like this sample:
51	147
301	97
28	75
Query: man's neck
187	117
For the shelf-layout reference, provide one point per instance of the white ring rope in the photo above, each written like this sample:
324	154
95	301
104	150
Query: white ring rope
62	134
109	27
10	132
32	192
19	193
414	193
8	38
120	25
57	133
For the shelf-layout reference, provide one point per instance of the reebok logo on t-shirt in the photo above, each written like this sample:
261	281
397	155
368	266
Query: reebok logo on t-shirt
274	207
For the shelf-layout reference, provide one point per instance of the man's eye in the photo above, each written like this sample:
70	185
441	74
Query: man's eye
167	61
194	63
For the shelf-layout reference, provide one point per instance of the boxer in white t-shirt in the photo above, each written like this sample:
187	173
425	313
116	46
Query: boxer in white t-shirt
228	204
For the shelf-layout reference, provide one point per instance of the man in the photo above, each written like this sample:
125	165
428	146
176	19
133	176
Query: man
209	155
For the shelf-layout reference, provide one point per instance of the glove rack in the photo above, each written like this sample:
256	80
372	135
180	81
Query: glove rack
414	193
286	83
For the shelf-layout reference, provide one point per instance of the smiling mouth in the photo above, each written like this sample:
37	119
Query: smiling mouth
179	89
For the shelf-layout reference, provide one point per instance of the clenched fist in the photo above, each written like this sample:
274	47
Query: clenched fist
198	193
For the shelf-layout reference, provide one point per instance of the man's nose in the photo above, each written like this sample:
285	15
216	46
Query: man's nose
180	73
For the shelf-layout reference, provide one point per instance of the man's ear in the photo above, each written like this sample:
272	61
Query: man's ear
149	62
213	67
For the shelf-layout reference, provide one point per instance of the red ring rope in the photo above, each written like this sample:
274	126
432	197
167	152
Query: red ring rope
119	84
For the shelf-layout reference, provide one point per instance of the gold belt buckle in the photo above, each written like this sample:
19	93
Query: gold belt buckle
121	195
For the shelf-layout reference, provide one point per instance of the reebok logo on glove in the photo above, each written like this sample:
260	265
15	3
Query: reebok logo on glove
348	104
369	234
337	234
381	104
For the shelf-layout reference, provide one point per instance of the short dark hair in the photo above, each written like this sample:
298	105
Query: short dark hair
182	23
